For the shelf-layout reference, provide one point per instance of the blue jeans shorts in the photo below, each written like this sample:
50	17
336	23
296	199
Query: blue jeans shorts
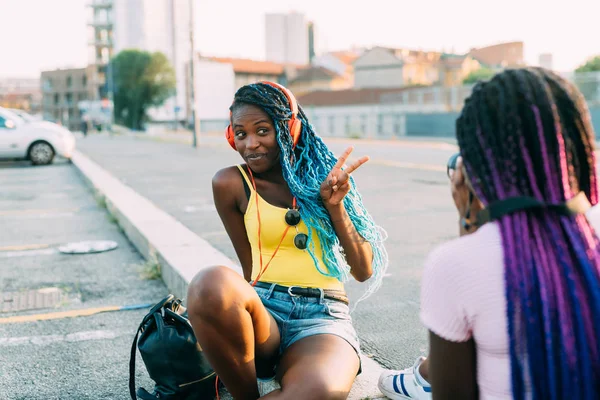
299	317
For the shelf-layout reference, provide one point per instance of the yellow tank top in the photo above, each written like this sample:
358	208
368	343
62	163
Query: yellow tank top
290	266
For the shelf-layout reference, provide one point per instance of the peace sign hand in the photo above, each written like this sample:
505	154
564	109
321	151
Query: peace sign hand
337	184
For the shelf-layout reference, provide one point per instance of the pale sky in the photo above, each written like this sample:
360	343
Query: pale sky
47	34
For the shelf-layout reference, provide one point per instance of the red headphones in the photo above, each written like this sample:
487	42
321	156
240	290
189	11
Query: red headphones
294	124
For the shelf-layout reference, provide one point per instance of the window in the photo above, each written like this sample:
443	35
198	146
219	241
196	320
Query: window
380	124
69	99
84	80
47	84
56	99
363	124
69	81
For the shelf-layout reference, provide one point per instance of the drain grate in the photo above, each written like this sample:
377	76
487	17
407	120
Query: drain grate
30	299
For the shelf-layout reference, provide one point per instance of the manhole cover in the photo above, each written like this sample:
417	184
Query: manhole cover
97	246
30	299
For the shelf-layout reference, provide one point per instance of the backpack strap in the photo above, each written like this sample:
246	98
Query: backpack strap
154	310
132	362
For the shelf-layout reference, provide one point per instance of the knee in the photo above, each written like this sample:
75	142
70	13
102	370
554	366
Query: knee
211	290
319	388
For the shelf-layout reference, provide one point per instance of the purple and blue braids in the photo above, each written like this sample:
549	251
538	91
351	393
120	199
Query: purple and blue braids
527	132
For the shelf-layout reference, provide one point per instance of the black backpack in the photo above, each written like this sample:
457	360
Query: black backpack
173	358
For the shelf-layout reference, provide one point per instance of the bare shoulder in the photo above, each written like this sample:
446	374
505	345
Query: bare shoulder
227	178
228	186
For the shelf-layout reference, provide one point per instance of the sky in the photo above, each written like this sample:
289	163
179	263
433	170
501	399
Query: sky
37	35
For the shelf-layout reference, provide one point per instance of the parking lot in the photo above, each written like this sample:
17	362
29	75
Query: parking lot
76	357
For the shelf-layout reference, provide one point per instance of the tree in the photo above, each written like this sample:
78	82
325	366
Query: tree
480	74
141	80
592	65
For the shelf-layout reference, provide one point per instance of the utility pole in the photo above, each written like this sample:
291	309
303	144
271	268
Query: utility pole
196	120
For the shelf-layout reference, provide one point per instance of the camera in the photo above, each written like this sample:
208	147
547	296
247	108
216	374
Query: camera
452	163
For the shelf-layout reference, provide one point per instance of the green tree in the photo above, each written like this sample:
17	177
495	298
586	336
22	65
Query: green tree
592	65
480	74
141	80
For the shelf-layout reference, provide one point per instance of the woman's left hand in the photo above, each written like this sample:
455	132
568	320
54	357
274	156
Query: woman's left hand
337	184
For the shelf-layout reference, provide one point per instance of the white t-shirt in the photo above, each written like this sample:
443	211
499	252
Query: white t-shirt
463	296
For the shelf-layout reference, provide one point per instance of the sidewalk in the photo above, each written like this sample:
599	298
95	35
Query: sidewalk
180	253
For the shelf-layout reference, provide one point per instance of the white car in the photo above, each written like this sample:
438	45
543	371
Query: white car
25	115
37	141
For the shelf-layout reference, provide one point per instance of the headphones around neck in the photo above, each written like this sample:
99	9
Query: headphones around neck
294	123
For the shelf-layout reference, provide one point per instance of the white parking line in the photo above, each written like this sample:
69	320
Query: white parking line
27	253
83	336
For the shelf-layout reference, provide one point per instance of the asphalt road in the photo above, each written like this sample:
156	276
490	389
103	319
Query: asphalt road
404	187
86	357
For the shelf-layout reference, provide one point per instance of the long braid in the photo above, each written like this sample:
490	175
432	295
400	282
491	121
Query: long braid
527	132
304	169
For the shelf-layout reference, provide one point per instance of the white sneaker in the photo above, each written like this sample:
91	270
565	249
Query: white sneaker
403	384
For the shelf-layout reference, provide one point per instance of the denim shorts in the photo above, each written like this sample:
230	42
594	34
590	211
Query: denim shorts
299	317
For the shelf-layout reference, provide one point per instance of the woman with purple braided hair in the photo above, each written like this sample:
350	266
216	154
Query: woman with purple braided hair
513	305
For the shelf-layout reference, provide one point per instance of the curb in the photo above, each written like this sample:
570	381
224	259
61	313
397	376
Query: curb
181	253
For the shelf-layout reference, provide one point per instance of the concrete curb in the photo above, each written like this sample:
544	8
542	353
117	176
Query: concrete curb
181	253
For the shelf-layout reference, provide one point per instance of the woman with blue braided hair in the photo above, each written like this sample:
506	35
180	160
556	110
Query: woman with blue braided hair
299	228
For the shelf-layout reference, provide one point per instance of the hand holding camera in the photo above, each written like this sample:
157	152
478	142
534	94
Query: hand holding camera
465	201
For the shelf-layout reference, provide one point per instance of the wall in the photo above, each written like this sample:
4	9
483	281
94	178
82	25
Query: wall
595	111
215	87
443	124
378	68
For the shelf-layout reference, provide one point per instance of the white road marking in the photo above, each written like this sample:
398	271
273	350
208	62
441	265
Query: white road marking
28	253
83	336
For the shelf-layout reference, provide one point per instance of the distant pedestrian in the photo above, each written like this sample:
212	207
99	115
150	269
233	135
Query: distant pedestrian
299	228
84	124
513	305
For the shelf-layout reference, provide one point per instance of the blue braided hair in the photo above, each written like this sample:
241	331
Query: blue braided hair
304	169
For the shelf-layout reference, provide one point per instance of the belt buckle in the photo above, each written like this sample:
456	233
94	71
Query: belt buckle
290	292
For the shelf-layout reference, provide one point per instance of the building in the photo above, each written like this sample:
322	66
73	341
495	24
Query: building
100	46
149	25
388	67
382	67
311	42
63	90
454	68
248	71
382	112
218	78
287	38
546	61
21	93
314	78
499	56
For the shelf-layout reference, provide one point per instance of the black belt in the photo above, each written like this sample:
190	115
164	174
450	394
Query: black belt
332	294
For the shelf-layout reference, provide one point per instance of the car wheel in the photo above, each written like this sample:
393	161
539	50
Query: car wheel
41	153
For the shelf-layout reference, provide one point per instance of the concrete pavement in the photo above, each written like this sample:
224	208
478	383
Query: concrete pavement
404	187
82	357
180	252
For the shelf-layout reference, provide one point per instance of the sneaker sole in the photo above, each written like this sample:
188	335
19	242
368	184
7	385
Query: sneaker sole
393	395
